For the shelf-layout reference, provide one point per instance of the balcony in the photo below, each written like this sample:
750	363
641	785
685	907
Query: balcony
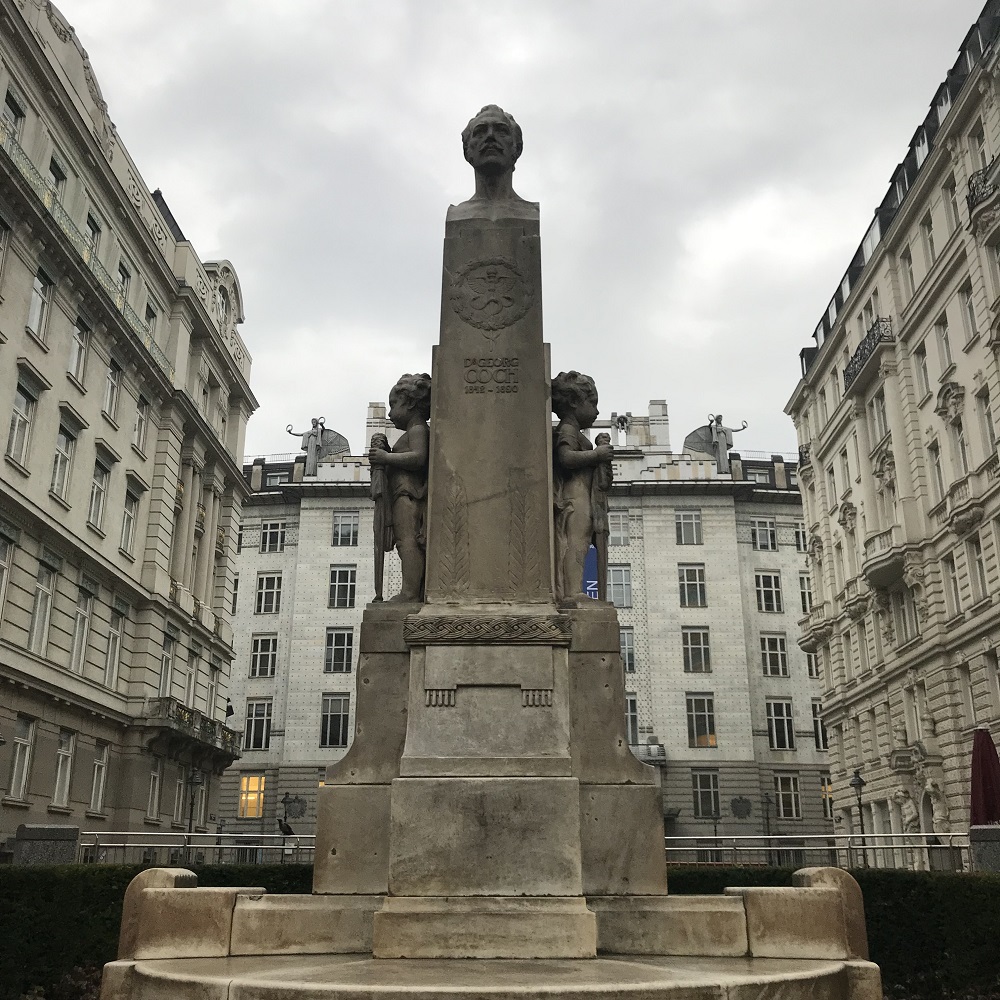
879	333
177	731
981	197
965	511
885	553
816	628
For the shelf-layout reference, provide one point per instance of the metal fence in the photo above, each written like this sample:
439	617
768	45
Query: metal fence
141	847
912	851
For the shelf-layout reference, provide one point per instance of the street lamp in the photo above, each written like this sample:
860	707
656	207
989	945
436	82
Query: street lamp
767	825
195	781
858	783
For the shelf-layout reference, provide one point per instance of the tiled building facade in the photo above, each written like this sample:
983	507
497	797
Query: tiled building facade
124	391
900	470
709	574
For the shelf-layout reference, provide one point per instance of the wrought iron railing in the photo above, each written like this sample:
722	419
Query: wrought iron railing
192	721
83	247
880	332
981	186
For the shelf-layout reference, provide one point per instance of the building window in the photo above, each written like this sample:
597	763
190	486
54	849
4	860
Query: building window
343	580
760	476
153	798
98	495
927	236
937	472
79	342
768	592
961	447
124	281
968	313
944	342
977	567
879	419
257	732
701	720
264	655
618	527
166	666
826	792
12	117
620	586
112	389
906	268
953	594
694	643
831	488
773	655
626	643
986	419
239	538
688	524
950	198
691	578
763	534
6	552
112	659
251	796
64	767
180	786
92	234
20	425
631	718
38	308
333	724
81	631
812	665
268	594
55	179
151	317
130	515
236	593
62	462
339	655
705	792
805	593
212	693
276	478
272	536
780	731
20	767
978	148
905	615
141	423
819	729
41	610
801	539
345	527
920	368
99	778
786	796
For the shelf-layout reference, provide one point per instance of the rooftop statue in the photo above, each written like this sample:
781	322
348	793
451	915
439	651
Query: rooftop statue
319	443
714	439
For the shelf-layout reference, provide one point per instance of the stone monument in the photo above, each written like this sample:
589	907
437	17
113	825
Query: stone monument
489	807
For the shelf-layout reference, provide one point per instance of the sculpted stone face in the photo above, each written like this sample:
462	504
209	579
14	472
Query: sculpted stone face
491	147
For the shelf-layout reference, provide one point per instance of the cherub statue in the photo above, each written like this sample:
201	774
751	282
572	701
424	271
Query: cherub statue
575	460
384	539
406	468
604	476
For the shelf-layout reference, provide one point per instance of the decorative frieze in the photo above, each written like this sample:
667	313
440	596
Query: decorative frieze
476	630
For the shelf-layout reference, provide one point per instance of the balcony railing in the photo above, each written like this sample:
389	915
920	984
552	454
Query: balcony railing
881	542
190	721
981	186
84	248
880	332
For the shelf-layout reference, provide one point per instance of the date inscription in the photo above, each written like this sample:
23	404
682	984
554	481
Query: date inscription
499	375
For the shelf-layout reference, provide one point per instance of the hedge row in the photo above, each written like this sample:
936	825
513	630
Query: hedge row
934	934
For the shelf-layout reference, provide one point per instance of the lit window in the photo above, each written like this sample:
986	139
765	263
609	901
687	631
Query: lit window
263	655
41	610
345	527
626	644
268	594
334	720
20	767
343	580
701	720
98	495
62	462
618	527
691	579
64	767
763	534
81	631
773	656
79	341
705	792
620	586
786	796
780	729
688	524
694	644
272	536
339	655
768	587
251	796
257	733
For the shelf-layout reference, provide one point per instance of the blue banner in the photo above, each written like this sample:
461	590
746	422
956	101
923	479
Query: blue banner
590	573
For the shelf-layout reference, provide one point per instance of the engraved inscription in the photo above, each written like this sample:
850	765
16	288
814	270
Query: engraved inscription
498	375
491	295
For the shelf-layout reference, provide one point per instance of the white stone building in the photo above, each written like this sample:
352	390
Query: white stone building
900	471
709	574
124	391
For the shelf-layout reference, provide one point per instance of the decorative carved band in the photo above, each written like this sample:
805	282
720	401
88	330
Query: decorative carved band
536	630
440	698
536	699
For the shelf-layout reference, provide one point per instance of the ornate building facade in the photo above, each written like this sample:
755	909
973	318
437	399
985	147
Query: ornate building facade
708	572
124	387
900	471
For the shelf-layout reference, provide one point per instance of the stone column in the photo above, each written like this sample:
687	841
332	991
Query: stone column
206	551
181	545
187	579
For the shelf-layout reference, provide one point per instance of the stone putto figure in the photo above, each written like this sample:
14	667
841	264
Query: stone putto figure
492	143
406	468
575	459
381	494
604	476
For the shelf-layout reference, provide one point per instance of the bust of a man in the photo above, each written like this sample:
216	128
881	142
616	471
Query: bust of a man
492	143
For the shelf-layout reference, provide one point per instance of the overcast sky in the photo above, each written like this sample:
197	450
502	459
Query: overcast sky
705	168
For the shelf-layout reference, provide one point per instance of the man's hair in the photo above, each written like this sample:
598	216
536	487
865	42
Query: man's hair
416	390
515	128
569	389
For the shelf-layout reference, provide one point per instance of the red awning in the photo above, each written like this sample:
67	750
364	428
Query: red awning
985	806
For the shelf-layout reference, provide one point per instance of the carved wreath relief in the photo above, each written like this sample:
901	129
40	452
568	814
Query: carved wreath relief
491	294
